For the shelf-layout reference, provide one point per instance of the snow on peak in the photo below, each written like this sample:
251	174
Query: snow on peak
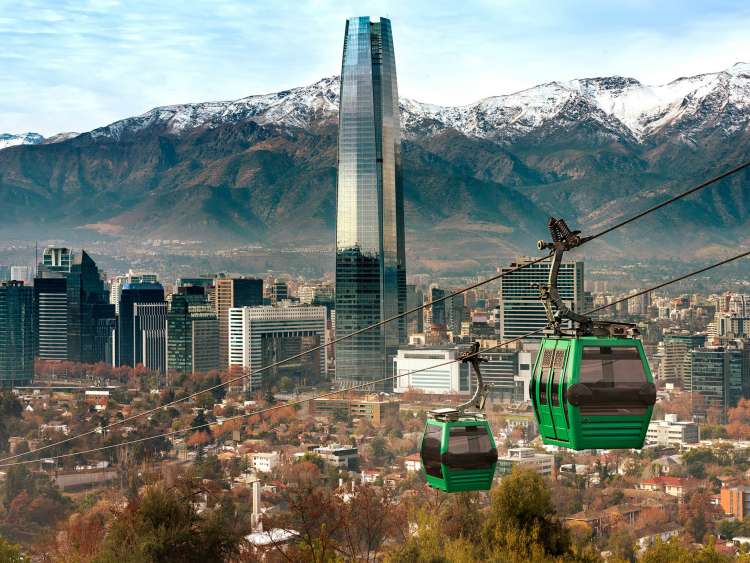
11	140
620	104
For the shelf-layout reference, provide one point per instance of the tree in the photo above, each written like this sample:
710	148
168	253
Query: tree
163	525
522	507
11	553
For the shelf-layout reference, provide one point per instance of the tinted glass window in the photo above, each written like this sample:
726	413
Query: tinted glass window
469	447
607	370
431	450
468	439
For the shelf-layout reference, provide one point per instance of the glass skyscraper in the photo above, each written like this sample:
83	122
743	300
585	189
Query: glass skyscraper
370	255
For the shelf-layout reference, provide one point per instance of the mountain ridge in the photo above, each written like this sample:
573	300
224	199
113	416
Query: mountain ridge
480	178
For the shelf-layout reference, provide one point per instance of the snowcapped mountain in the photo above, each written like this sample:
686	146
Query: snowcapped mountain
621	106
11	140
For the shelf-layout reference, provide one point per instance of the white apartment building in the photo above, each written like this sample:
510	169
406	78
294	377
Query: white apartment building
415	368
265	462
671	432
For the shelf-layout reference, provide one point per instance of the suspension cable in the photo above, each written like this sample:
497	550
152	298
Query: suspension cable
368	383
496	277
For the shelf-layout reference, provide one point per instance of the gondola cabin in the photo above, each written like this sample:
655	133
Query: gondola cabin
592	392
458	455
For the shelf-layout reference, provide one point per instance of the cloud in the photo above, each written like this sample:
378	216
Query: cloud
72	65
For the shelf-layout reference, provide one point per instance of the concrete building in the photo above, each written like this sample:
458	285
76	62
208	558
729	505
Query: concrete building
415	368
671	432
265	462
261	336
51	318
342	457
675	358
150	335
735	500
375	408
509	373
229	293
526	457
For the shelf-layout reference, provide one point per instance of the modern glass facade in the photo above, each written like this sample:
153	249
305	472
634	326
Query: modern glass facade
370	254
16	334
521	309
132	294
716	373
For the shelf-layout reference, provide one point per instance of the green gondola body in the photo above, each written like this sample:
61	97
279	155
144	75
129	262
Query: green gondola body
458	455
592	392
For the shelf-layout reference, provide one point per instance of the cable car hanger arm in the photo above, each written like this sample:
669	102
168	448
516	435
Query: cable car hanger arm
564	239
477	401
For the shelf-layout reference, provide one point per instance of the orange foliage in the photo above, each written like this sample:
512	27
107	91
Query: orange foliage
198	439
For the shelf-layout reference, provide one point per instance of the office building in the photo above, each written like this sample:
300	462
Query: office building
509	373
192	335
675	356
130	278
90	317
263	335
672	432
521	310
150	335
233	292
22	273
51	318
527	458
370	252
279	292
417	369
716	373
129	342
56	259
4	273
439	317
375	408
735	500
414	299
16	334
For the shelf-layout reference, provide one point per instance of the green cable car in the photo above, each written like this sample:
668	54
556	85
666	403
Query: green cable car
458	450
592	392
591	387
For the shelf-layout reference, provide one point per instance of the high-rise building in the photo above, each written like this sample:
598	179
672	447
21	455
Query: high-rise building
16	334
131	277
90	317
279	291
132	294
150	335
509	373
370	253
192	335
438	309
4	272
716	374
521	309
263	335
233	292
51	318
676	356
56	259
414	299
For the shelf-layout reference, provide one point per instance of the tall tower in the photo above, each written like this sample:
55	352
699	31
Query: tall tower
370	255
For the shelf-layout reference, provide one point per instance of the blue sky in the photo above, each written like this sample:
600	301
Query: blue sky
76	65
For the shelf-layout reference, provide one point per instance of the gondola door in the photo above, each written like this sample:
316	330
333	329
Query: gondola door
557	389
546	426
